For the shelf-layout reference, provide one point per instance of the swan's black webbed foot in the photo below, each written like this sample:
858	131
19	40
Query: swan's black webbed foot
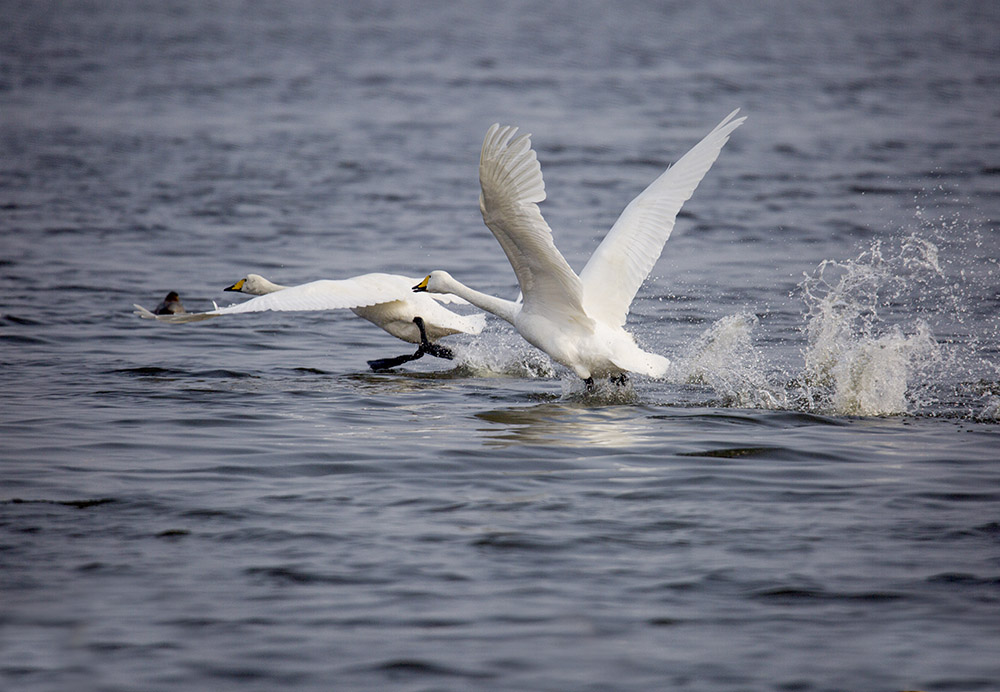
380	364
621	379
439	351
591	388
427	348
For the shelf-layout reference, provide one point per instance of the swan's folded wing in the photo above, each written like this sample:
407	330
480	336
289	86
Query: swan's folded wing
512	186
628	253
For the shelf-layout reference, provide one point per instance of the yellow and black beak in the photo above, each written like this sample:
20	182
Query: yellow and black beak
422	286
236	286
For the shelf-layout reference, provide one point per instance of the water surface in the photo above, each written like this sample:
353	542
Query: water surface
808	501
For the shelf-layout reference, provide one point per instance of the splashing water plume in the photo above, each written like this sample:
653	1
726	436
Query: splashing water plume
724	358
501	352
873	346
855	362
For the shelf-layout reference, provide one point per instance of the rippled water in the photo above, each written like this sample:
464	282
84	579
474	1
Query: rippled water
808	501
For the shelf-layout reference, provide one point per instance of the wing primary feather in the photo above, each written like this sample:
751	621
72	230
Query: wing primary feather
511	187
628	253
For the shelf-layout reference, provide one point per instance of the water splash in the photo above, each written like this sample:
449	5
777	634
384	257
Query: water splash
896	330
499	352
991	410
862	355
724	358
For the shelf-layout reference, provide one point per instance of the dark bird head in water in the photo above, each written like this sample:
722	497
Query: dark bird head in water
171	305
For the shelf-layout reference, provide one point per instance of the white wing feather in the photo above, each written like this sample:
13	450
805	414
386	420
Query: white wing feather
329	294
512	186
628	253
326	294
173	318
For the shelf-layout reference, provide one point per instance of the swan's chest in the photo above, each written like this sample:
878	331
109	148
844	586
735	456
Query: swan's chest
574	344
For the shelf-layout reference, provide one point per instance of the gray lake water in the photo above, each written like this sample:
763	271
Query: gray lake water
809	501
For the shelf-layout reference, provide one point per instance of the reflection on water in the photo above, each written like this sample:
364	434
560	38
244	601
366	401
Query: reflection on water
565	425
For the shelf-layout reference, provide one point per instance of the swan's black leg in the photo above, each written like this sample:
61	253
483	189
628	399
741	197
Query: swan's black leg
621	379
590	385
426	347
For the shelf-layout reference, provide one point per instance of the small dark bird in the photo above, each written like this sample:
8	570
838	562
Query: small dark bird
171	305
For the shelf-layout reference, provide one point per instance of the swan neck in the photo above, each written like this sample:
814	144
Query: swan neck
504	309
264	286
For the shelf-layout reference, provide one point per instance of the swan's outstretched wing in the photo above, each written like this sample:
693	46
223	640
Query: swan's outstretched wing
625	257
327	294
512	186
175	318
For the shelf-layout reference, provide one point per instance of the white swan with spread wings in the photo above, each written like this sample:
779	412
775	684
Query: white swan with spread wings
577	320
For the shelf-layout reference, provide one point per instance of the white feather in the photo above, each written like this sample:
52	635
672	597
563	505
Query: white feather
628	253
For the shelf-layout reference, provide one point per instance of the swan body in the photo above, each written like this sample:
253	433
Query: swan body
577	319
383	299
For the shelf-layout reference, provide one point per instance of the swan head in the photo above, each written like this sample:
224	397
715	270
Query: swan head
436	282
255	285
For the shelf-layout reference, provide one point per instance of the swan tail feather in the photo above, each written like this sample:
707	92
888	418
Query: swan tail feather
644	363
